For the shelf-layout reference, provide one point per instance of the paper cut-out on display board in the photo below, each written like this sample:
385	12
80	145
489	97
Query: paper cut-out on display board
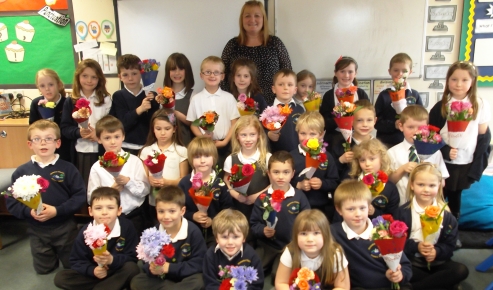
24	31
107	28
15	52
81	29
94	29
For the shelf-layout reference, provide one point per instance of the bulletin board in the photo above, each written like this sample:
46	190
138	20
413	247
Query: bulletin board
477	38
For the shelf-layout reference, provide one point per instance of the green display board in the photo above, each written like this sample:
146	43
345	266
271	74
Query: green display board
51	47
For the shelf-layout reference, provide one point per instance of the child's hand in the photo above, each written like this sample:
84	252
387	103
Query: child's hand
155	269
207	223
238	196
315	183
409	167
371	210
208	134
453	153
117	187
100	272
424	248
252	198
85	133
431	256
269	232
304	185
122	180
104	259
146	104
273	136
347	157
156	182
394	277
47	213
200	217
397	122
220	144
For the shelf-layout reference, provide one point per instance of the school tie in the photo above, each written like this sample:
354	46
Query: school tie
413	157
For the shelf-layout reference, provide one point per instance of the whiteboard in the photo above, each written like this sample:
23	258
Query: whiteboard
196	28
317	32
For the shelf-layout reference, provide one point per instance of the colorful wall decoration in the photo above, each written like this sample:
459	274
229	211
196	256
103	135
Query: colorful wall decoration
32	5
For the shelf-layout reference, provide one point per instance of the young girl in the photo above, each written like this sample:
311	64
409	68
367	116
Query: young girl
313	247
202	156
424	189
467	163
243	80
371	157
164	137
51	88
306	82
89	84
345	72
249	146
178	75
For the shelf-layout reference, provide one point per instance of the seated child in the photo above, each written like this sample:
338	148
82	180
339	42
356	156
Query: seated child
274	233
412	117
53	230
118	264
367	269
230	228
184	269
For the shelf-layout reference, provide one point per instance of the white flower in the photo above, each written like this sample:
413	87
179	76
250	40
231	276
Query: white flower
265	204
154	160
405	75
241	106
26	187
347	104
277	125
75	115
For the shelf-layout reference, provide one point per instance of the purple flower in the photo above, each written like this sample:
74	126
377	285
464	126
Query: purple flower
251	274
238	272
378	221
240	285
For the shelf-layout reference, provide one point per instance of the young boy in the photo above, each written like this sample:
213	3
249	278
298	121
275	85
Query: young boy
387	123
184	269
118	264
230	228
367	269
284	87
52	232
212	98
274	234
130	104
132	183
412	117
363	125
320	186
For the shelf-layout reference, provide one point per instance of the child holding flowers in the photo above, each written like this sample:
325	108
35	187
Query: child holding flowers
243	80
306	83
432	232
466	162
312	246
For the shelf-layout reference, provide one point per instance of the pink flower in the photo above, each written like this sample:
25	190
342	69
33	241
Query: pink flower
339	93
242	98
398	229
424	131
437	138
383	233
160	260
456	106
197	181
368	179
466	106
276	206
82	103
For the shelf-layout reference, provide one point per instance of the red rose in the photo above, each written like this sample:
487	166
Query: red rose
107	229
398	229
247	170
161	158
109	156
249	102
433	128
168	250
278	195
368	179
388	217
322	157
382	176
234	169
225	284
43	183
262	196
145	61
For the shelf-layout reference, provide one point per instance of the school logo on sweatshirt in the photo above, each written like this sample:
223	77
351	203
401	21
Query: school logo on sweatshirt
244	261
294	207
374	252
57	176
216	192
186	250
295	118
380	201
120	244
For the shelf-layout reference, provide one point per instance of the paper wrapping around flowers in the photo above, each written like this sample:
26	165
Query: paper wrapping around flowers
269	126
426	149
149	80
399	105
202	202
114	170
246	180
396	96
313	105
310	162
169	105
430	229
100	250
47	113
456	133
245	113
391	250
34	203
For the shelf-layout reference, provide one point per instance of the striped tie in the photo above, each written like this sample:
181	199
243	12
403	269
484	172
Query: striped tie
413	157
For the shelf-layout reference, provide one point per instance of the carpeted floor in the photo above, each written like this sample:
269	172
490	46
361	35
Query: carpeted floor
475	239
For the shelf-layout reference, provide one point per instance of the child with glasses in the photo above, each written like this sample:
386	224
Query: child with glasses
213	98
53	230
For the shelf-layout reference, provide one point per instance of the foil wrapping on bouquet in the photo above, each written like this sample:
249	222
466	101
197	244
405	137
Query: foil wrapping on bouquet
313	105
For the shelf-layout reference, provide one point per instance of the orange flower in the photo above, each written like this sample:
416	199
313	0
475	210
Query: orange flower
209	117
303	285
168	92
350	108
353	89
285	110
432	211
306	274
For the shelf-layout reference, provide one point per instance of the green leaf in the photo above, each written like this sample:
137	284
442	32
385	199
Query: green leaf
265	215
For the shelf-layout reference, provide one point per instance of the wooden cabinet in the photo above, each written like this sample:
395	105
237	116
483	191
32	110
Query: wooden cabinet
13	143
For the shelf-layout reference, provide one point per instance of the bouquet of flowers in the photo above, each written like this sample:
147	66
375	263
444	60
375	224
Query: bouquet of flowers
82	112
304	279
148	70
375	182
207	121
315	152
346	94
312	101
95	237
166	97
397	93
47	109
246	106
112	162
459	116
27	189
271	203
431	222
155	164
241	175
201	192
427	141
236	277
154	247
344	116
390	237
274	117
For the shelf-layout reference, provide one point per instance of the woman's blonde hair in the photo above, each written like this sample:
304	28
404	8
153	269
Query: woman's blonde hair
242	37
52	74
331	253
426	168
242	123
372	147
202	145
100	89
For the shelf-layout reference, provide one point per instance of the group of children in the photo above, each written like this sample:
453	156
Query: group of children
234	230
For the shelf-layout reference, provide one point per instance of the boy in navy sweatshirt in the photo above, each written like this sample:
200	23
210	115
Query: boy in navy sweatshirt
230	229
184	269
52	231
318	187
274	233
117	265
367	269
285	87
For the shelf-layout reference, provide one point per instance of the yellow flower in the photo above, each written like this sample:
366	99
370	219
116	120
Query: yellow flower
312	144
154	67
379	187
50	105
121	160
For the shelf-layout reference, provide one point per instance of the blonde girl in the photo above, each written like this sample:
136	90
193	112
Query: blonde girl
90	84
466	163
424	189
243	80
370	157
306	83
249	146
313	246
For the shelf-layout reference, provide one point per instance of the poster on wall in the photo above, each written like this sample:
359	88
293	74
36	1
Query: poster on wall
31	5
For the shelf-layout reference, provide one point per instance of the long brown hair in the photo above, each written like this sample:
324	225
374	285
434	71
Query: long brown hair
100	89
253	89
52	74
180	61
342	63
163	116
242	37
473	90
